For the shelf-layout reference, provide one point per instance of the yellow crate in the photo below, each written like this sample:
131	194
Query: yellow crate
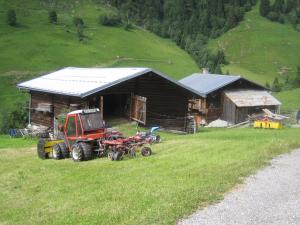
267	124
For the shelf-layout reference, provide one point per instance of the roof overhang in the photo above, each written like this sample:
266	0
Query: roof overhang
49	83
251	98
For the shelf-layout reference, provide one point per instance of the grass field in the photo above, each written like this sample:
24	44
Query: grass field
184	173
259	49
291	99
36	47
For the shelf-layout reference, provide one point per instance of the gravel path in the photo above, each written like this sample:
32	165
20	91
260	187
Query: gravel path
272	196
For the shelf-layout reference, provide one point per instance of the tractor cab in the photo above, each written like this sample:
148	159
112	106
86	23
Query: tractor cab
85	124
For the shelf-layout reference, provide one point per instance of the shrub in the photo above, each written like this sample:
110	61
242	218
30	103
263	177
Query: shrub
78	21
110	19
281	19
52	17
11	18
273	16
128	26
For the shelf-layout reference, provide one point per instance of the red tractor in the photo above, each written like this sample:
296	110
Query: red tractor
85	136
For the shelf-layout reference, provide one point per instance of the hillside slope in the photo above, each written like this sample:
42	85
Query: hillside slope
36	46
259	49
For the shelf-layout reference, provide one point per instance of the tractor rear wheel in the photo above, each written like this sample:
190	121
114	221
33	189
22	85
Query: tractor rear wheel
41	149
81	151
87	150
64	151
56	152
77	153
146	151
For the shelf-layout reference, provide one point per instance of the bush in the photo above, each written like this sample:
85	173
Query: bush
11	18
52	17
273	16
281	19
78	21
110	19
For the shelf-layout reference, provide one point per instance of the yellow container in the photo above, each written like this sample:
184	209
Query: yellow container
267	124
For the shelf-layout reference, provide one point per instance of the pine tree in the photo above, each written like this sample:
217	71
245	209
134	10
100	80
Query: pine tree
52	16
276	85
297	79
264	7
11	18
290	5
279	6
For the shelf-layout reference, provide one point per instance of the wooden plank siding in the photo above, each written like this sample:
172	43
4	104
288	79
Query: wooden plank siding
167	103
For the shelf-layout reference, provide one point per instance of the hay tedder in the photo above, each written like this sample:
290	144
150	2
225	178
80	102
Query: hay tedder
85	137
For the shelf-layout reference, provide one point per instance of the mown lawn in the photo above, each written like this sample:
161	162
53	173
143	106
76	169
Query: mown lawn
186	172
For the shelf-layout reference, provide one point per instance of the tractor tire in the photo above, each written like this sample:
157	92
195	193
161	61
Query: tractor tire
77	153
118	155
146	151
81	152
56	152
87	151
110	155
64	150
40	149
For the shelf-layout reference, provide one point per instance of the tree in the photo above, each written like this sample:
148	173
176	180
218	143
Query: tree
109	19
297	79
80	32
278	6
52	16
273	16
78	21
11	18
264	7
290	5
267	85
276	85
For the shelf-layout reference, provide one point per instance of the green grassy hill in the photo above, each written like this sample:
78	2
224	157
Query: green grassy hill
290	99
36	46
259	49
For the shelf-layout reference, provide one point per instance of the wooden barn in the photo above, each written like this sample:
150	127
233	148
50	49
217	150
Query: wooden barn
231	98
139	94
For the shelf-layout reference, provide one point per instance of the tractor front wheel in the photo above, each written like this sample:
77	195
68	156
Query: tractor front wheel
56	152
146	151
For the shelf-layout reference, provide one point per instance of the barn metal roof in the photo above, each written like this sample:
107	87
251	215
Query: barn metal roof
251	98
207	83
82	82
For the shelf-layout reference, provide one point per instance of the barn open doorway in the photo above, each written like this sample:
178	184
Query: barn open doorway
116	105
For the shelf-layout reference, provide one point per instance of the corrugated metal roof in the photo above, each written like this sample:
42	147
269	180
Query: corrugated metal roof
249	98
82	82
207	83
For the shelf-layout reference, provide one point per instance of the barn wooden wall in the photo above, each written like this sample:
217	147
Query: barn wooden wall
167	103
60	104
